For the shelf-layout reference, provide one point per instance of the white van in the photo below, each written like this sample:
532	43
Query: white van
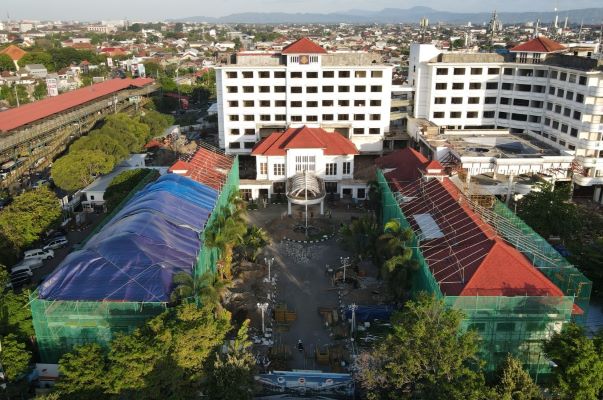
39	253
32	263
17	269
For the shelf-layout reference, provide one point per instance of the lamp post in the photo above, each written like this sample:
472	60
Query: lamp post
263	307
269	262
353	307
344	263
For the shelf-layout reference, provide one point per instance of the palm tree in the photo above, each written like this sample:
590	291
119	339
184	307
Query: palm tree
254	240
184	287
397	265
211	289
394	239
360	236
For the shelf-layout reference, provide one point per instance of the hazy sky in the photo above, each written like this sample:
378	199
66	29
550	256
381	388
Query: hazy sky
153	10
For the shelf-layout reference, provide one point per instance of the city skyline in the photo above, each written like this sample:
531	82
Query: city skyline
155	10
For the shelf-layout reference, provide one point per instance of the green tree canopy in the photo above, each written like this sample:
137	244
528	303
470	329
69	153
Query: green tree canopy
40	90
549	212
78	169
15	357
579	371
156	121
38	57
97	140
6	63
83	373
514	383
425	356
127	130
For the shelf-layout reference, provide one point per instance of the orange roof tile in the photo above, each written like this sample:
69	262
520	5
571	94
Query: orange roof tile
303	46
14	52
541	44
278	143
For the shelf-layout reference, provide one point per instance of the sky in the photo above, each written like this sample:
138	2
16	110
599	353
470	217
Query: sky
157	10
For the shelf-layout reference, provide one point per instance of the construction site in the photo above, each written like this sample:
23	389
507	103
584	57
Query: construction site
33	134
513	287
122	276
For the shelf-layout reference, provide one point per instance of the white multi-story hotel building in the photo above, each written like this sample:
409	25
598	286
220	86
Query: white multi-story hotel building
263	92
537	89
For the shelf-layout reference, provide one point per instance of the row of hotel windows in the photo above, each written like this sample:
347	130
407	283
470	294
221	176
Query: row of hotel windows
310	118
505	115
561	76
306	163
309	89
356	131
309	74
568	95
553	138
324	103
508	101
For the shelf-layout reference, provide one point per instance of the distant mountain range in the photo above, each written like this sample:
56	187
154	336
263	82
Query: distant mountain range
397	15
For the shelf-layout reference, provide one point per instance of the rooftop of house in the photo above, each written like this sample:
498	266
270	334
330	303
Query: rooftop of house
14	52
540	44
277	144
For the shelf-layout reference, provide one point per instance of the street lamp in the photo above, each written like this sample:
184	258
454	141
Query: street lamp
344	262
268	262
263	307
353	307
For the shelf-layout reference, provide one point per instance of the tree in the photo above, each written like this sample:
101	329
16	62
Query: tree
232	373
360	236
30	214
156	121
83	373
127	130
40	90
549	212
514	383
15	358
397	263
425	356
254	240
39	57
78	169
579	371
98	141
6	63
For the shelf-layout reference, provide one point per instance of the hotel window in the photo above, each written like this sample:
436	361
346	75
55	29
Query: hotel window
554	74
347	167
458	86
234	118
473	100
472	114
358	117
234	145
311	104
582	80
249	131
249	117
577	115
264	74
328	74
477	71
343	89
331	169
488	114
440	100
247	74
343	117
375	103
563	76
343	103
360	89
263	168
490	100
232	89
441	86
491	85
456	100
296	118
375	117
459	71
296	89
312	89
327	103
560	92
264	103
579	98
305	163
280	74
296	104
507	86
233	103
358	131
327	117
247	89
280	117
312	118
280	89
508	71
438	114
374	131
359	103
475	85
264	117
442	71
376	74
264	89
234	132
328	89
493	71
574	132
376	88
455	114
231	74
296	74
567	112
279	169
280	103
311	75
248	103
344	74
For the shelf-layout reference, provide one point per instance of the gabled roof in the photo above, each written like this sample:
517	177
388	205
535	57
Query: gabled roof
180	166
278	143
540	44
303	46
407	164
14	52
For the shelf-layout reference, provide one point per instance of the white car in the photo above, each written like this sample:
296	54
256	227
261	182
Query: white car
31	263
39	253
18	269
56	243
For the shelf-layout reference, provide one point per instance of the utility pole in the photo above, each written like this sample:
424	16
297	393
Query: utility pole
344	263
353	307
263	308
17	96
268	262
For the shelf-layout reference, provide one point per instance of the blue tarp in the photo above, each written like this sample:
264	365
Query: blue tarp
134	257
371	313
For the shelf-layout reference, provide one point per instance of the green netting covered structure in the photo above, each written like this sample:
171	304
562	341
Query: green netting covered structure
514	324
157	242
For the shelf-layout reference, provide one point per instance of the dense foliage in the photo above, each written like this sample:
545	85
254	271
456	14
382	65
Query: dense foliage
123	184
78	169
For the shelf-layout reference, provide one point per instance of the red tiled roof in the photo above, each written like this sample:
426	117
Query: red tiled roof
153	143
303	46
541	44
209	168
469	259
180	166
14	52
32	112
278	143
434	165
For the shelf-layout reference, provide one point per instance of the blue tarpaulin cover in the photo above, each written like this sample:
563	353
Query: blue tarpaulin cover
134	257
371	313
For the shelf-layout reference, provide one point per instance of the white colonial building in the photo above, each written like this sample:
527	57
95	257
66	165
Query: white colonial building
303	85
537	89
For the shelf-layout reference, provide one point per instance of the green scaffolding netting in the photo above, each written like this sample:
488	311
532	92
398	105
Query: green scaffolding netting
518	324
61	325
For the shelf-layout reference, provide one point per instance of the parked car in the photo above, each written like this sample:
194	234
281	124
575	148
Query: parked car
17	269
39	253
20	279
31	263
56	243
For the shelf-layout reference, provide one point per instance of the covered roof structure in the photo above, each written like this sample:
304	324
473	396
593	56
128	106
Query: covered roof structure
32	112
540	44
304	137
303	46
135	256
